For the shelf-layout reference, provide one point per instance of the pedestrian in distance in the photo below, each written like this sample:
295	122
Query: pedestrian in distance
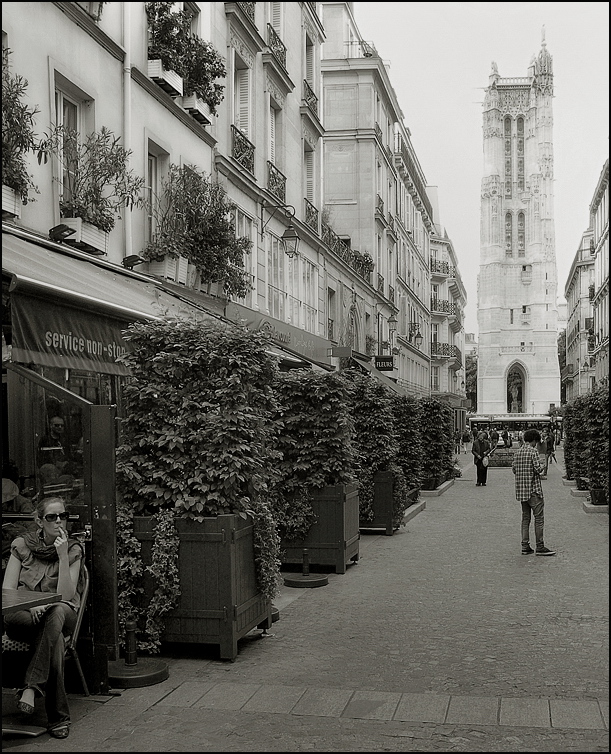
550	454
457	439
527	470
481	450
464	440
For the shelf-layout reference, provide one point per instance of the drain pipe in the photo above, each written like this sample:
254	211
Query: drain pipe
127	116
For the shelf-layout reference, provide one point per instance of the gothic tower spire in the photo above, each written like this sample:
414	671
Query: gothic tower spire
518	368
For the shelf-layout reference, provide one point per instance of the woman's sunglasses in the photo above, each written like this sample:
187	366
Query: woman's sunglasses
51	517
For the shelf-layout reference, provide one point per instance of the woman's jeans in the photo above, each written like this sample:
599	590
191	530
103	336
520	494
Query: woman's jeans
482	472
534	505
45	673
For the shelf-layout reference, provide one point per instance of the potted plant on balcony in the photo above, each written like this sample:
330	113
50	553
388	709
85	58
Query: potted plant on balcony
193	220
168	32
197	544
315	499
96	184
201	65
18	141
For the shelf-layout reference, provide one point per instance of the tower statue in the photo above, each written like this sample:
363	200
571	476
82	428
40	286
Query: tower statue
517	281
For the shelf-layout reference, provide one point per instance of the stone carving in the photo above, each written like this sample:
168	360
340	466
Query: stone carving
240	46
274	91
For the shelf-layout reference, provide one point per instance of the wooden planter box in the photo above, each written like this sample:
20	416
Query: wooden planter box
220	601
598	496
334	539
169	81
86	237
198	109
11	202
383	504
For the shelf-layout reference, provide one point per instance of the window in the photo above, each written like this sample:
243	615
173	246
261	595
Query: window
511	316
152	191
508	235
435	379
521	235
67	115
241	104
276	280
244	227
309	175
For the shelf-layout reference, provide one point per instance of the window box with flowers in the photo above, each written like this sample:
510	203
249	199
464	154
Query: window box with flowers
95	182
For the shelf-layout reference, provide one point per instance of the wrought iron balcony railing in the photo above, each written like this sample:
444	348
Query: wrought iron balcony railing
276	182
380	283
441	267
311	215
248	9
242	150
310	98
442	350
276	45
441	305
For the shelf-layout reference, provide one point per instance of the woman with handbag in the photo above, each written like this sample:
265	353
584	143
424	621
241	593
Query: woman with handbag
481	453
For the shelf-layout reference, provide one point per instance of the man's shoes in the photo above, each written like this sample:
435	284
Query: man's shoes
545	551
527	551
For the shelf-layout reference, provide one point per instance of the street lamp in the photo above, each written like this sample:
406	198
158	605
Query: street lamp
290	238
414	334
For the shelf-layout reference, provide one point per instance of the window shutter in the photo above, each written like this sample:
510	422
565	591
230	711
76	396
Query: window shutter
275	12
309	176
242	100
310	65
272	135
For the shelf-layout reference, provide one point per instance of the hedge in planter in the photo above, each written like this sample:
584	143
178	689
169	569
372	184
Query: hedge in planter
197	443
376	442
407	413
315	501
437	442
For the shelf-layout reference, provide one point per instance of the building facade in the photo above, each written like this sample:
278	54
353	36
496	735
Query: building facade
518	370
599	290
577	374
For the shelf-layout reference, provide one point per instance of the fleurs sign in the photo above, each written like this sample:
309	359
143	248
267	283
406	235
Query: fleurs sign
384	363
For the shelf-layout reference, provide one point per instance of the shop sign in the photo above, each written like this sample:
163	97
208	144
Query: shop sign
46	333
384	363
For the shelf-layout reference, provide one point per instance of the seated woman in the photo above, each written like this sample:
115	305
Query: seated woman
46	561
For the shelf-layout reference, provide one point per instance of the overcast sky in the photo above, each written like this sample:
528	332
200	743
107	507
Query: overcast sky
440	56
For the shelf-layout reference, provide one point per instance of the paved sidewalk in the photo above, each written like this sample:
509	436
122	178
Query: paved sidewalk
444	637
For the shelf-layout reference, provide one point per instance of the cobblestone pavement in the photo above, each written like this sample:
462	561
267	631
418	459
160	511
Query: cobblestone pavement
444	637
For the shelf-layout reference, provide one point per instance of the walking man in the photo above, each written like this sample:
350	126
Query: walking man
527	469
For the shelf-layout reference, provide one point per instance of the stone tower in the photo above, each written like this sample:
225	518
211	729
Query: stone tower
518	369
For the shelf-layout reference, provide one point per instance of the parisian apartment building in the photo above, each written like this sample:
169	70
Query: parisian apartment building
349	262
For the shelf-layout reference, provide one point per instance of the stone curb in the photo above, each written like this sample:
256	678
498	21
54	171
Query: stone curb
589	508
439	491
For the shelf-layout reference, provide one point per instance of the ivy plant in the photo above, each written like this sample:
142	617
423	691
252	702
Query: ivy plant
193	218
437	438
315	433
376	442
198	440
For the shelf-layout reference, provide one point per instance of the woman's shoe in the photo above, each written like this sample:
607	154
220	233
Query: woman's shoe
61	731
24	707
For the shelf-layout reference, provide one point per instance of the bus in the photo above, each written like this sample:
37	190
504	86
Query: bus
513	423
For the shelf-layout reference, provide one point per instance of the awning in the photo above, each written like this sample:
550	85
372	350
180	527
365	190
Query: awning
368	367
69	311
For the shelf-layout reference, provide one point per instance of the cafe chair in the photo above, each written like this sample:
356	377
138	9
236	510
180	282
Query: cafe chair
12	645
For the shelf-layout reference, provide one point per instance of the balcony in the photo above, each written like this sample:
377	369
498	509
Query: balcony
330	329
242	150
391	293
380	205
311	215
276	182
442	306
441	268
276	45
380	285
442	350
567	371
360	263
248	9
591	291
310	98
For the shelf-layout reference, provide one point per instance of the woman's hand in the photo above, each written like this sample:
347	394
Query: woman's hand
38	612
61	544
